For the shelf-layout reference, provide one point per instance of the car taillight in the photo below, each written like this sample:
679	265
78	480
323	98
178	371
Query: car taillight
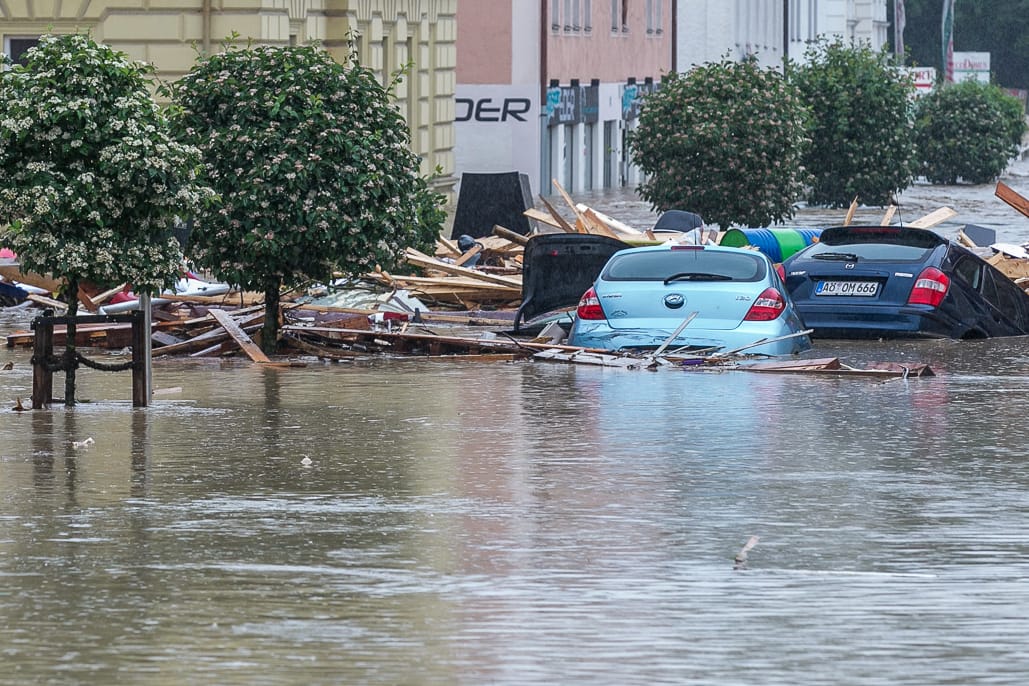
589	306
780	270
768	306
930	288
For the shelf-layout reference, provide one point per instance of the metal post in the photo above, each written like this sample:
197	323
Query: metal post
141	387
42	352
147	345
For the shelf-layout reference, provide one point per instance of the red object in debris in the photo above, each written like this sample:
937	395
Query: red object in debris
395	316
122	296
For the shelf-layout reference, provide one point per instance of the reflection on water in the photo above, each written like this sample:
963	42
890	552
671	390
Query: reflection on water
521	523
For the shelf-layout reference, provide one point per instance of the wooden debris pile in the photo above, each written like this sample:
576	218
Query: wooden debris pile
450	280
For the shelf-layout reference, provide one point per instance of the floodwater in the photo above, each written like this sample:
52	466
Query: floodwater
406	521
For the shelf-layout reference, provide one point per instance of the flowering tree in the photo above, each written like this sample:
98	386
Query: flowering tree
313	164
724	140
93	181
862	139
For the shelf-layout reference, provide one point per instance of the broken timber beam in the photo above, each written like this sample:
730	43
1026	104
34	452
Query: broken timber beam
541	217
246	344
1013	198
933	218
850	212
562	223
510	235
420	259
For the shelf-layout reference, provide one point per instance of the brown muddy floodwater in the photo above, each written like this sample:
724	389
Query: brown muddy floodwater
405	521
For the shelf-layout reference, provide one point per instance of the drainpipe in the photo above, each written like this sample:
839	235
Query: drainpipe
785	33
207	27
675	36
544	32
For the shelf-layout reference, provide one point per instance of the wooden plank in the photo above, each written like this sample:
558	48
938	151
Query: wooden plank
601	227
422	260
164	338
581	219
213	336
450	282
426	316
11	270
591	358
447	246
612	223
1012	267
86	301
101	298
797	365
541	217
851	211
561	222
1012	197
201	299
510	235
47	302
888	217
245	343
475	250
933	218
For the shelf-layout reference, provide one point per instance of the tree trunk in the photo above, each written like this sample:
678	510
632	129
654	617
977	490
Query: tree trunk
270	332
70	363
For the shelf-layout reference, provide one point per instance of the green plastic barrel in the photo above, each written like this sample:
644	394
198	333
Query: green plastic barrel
778	243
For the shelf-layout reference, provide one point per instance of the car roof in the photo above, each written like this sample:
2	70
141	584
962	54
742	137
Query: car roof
670	245
886	233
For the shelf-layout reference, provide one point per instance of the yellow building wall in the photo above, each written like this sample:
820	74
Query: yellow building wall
388	35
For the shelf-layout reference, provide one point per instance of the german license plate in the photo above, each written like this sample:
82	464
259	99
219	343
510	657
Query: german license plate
857	288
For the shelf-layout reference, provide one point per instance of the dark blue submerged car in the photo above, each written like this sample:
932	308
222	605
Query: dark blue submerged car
895	282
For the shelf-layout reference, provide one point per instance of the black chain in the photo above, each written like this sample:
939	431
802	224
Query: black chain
101	366
52	364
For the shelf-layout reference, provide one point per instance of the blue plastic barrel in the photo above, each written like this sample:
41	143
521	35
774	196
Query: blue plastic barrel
762	239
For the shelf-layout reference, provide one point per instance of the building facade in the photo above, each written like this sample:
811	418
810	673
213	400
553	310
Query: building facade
550	88
388	35
711	30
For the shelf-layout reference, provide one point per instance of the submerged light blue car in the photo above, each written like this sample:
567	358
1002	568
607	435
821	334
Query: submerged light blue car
644	294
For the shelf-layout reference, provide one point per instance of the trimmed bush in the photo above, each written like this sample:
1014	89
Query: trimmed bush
313	165
862	144
967	132
724	140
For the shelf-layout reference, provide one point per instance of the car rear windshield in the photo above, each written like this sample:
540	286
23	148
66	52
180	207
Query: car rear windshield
685	265
902	246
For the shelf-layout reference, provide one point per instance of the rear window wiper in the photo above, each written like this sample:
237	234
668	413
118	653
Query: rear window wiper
696	276
841	256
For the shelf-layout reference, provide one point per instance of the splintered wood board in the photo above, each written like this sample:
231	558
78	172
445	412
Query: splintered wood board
933	218
1013	198
246	344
